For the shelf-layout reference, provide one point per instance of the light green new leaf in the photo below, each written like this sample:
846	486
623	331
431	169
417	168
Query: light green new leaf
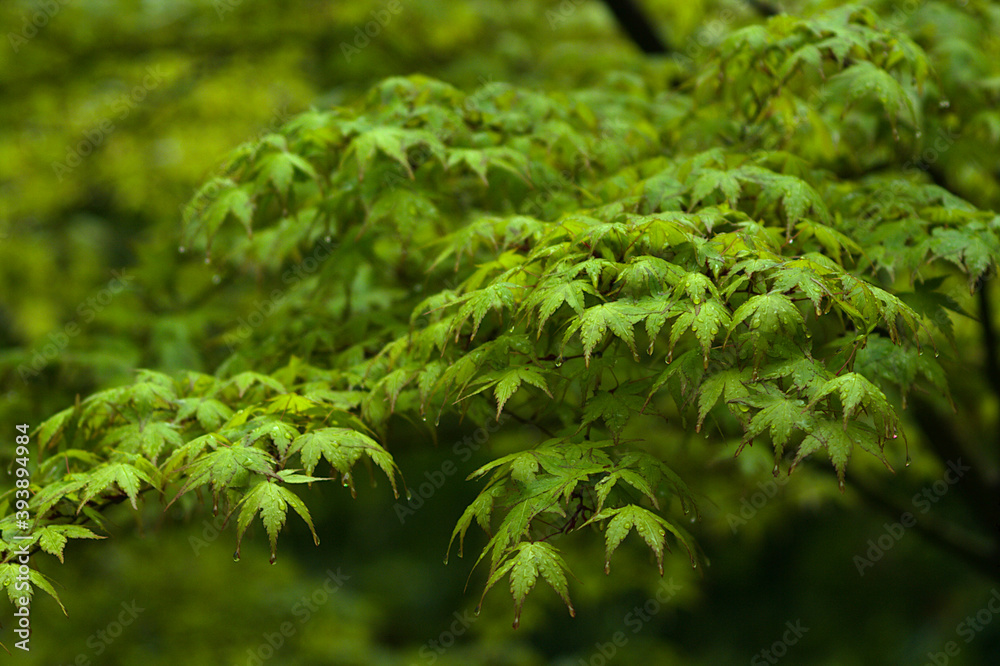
10	578
271	500
342	447
52	538
127	476
651	527
530	560
769	314
511	381
594	323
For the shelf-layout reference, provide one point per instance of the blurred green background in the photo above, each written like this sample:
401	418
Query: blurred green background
115	112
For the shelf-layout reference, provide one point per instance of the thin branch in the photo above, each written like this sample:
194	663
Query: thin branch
990	342
977	487
965	545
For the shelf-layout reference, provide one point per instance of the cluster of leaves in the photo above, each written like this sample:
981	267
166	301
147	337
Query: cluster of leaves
609	262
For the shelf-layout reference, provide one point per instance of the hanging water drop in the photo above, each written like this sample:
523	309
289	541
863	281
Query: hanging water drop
635	356
274	557
840	484
409	495
692	519
236	555
908	461
215	506
776	470
559	362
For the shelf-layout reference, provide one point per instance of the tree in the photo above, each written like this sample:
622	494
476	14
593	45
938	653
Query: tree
765	245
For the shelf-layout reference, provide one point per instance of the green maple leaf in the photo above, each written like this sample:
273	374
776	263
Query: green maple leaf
511	381
648	525
272	501
52	538
342	447
593	325
528	561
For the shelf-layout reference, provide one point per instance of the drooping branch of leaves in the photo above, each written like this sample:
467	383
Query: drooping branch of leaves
588	257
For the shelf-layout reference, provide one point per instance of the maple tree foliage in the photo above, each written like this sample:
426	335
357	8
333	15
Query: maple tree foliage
707	243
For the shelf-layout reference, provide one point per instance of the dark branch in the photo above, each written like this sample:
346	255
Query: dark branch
946	535
989	338
637	25
764	8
